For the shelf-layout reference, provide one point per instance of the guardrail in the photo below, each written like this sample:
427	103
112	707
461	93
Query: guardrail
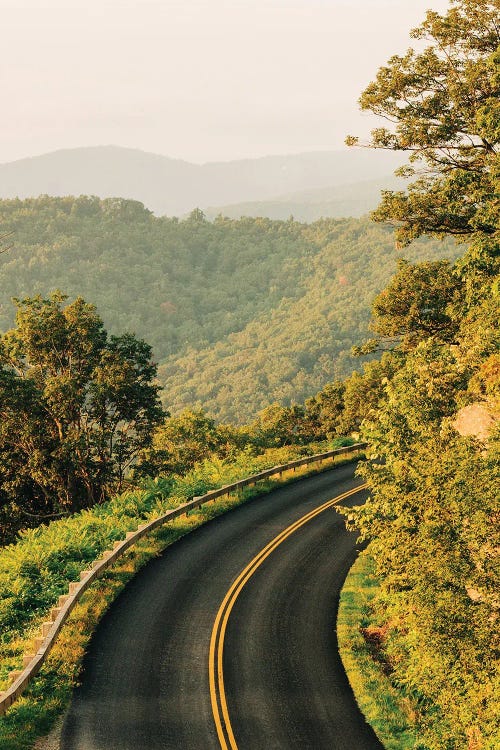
58	615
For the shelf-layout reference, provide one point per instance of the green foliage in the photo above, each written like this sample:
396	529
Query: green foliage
448	132
363	394
432	518
76	407
414	305
288	353
192	437
239	313
324	410
185	440
343	406
433	512
451	136
171	282
277	426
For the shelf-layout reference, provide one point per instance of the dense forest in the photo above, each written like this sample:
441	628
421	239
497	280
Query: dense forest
239	312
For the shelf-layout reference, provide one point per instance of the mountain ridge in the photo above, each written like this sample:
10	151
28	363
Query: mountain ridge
337	201
174	186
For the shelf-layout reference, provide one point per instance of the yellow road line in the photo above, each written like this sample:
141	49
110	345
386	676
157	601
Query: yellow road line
215	666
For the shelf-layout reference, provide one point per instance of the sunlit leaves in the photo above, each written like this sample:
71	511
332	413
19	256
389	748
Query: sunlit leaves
442	106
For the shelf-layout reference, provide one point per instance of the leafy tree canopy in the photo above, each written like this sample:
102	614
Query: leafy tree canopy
184	440
432	515
415	303
442	104
76	407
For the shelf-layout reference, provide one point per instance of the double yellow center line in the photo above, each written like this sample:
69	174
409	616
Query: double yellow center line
215	666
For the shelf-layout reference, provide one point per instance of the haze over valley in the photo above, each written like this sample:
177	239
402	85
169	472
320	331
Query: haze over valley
174	187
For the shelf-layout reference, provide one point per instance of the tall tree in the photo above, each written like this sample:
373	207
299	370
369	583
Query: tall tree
433	511
76	405
443	106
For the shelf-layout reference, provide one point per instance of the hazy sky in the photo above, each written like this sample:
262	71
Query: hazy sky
194	79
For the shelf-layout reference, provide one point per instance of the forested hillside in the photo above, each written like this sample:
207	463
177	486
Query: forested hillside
291	350
239	313
174	283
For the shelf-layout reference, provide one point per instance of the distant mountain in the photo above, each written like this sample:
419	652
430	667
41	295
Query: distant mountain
353	199
174	187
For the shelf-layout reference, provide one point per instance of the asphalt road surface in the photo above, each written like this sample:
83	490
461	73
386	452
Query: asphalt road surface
253	594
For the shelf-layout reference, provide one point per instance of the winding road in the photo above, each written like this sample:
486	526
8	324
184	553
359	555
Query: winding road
227	641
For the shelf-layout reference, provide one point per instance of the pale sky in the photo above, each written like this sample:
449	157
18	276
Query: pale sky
201	80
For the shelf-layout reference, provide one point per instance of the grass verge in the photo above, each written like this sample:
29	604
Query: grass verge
385	708
34	714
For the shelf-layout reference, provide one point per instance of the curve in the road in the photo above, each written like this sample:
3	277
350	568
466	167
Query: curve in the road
215	660
145	682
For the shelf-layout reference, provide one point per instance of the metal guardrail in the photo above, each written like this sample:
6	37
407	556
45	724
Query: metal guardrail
50	629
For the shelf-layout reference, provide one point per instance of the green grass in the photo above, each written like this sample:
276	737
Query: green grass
48	695
387	710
